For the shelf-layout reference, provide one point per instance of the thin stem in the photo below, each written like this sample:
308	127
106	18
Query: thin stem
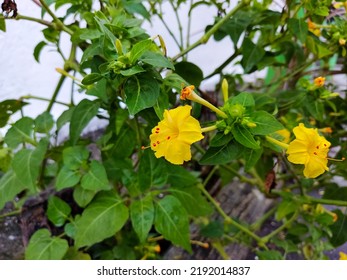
310	199
281	228
55	93
169	30
9	214
180	29
38	20
208	34
55	18
230	220
223	65
237	174
276	142
43	99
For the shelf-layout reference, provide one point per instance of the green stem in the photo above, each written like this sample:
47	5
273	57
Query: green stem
9	214
241	177
223	65
310	200
230	221
38	20
43	99
267	238
55	19
55	93
208	34
180	29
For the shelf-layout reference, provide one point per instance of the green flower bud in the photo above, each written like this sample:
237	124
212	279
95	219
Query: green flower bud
236	110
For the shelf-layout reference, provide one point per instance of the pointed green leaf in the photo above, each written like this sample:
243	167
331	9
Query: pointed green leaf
138	49
26	164
67	178
189	72
252	54
142	216
244	98
44	247
141	92
251	157
83	196
132	71
81	116
179	176
103	217
96	178
222	154
10	186
221	139
171	220
58	211
152	172
156	60
65	117
266	123
20	132
38	49
192	200
244	137
339	229
44	123
299	28
74	157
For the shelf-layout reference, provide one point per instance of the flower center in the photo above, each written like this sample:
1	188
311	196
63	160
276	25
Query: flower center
165	138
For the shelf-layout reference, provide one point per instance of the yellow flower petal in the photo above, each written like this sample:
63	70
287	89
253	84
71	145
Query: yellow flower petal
310	149
172	137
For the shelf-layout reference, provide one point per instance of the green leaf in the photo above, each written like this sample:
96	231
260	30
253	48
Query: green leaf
334	191
171	220
83	196
74	157
244	137
285	207
192	200
270	255
244	98
27	164
103	217
156	60
81	116
38	49
96	178
99	90
67	178
179	176
142	216
10	186
152	171
65	117
44	247
189	72
44	123
339	229
252	54
221	139
8	108
138	50
91	78
222	154
2	24
20	132
299	28
251	157
132	71
58	211
315	108
266	123
141	92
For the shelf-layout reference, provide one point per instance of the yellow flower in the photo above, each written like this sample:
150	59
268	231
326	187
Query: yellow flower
343	256
319	81
172	137
310	149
